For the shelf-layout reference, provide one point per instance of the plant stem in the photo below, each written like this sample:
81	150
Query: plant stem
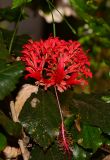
68	24
59	106
63	137
14	33
53	22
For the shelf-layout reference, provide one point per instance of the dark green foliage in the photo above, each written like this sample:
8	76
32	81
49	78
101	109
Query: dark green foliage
18	3
89	137
79	153
51	153
4	54
91	108
12	128
9	76
18	42
11	15
87	11
100	29
3	142
42	121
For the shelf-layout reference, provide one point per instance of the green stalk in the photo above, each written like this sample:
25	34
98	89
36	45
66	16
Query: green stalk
53	22
68	24
14	33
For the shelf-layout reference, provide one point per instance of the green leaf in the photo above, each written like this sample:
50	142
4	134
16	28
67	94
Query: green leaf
9	76
79	153
18	44
106	99
41	121
99	26
18	3
82	8
89	137
85	10
4	54
106	139
12	128
105	42
19	41
91	108
52	153
3	142
11	15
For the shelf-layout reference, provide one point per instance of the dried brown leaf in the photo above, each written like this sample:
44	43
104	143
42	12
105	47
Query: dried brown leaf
23	95
107	157
11	152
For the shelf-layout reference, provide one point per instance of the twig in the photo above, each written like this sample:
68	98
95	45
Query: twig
24	151
15	30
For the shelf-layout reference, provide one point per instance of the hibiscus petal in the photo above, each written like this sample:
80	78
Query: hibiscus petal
60	72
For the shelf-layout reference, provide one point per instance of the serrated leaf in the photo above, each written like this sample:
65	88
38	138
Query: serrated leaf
52	153
12	128
41	121
18	3
91	108
9	76
3	142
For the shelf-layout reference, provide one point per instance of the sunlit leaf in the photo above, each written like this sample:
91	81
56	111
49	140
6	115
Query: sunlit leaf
17	3
89	137
106	99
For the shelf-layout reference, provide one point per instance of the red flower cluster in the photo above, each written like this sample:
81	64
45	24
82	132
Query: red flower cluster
56	62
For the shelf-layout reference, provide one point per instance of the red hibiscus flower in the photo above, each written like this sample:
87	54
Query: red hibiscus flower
56	62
